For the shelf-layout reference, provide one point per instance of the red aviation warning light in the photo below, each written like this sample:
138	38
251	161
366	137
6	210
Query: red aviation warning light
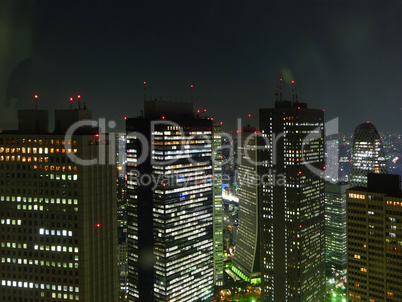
300	172
125	117
212	118
300	226
191	86
221	123
293	81
98	225
36	101
79	101
163	117
249	115
205	110
145	82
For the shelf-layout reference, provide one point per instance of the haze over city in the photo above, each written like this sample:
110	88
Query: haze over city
344	56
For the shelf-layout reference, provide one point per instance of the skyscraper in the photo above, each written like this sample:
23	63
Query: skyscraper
246	260
335	228
374	232
367	154
58	218
291	208
218	203
170	204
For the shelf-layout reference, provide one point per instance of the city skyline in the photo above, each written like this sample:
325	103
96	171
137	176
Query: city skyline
340	55
210	151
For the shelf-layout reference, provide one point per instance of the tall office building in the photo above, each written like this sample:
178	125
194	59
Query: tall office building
374	244
58	218
367	154
332	158
218	203
246	262
291	208
170	204
335	228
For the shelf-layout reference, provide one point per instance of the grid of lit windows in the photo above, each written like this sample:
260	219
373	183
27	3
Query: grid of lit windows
374	245
180	172
292	203
45	204
367	154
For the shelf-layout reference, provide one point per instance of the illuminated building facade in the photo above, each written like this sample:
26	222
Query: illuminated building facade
170	204
374	239
367	154
291	211
246	262
58	218
218	203
335	228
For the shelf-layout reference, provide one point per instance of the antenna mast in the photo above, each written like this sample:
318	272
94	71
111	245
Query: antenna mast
192	93
295	97
36	101
280	89
145	91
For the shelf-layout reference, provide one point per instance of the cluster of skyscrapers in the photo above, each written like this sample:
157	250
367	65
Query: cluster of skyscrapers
58	223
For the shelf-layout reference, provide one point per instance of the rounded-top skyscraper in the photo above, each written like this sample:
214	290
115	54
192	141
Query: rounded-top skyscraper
367	154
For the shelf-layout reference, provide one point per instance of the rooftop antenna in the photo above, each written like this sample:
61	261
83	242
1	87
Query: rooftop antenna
36	101
276	94
192	93
71	103
295	97
280	90
79	101
145	91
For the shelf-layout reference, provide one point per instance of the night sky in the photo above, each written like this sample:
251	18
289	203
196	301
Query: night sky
345	56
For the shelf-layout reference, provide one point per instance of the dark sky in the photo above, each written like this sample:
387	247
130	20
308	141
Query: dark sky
345	56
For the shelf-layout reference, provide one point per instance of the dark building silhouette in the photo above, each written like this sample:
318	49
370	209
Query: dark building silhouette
246	260
291	211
